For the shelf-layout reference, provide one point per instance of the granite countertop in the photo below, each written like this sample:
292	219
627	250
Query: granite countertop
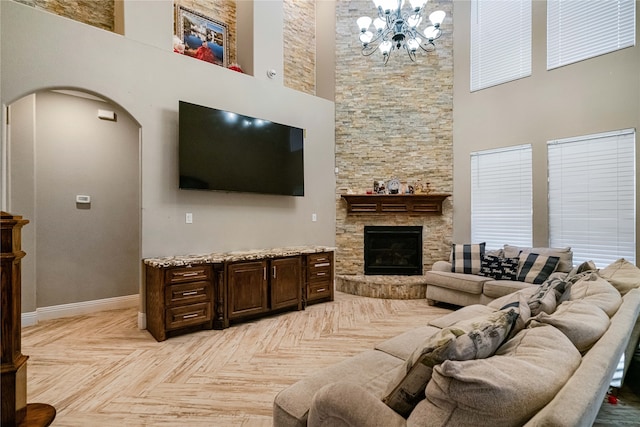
220	257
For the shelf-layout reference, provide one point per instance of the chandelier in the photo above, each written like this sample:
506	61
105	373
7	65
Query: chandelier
398	29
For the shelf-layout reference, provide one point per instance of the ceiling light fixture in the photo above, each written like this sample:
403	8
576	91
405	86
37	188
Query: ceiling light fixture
395	29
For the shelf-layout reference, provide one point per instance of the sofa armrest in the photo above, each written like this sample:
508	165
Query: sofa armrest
343	404
441	266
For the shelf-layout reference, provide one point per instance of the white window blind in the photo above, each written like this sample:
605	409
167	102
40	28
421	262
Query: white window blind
579	29
500	41
592	196
501	197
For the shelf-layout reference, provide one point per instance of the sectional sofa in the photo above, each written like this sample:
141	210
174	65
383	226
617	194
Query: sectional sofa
544	355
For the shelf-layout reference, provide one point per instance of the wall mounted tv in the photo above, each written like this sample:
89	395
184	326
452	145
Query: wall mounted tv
224	151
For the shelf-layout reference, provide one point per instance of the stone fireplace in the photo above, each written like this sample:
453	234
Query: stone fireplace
383	133
393	250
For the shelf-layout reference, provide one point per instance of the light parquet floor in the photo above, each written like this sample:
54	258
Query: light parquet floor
101	370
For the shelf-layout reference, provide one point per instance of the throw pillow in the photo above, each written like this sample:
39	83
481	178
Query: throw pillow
499	268
622	274
536	268
546	298
472	339
504	390
583	323
565	254
466	258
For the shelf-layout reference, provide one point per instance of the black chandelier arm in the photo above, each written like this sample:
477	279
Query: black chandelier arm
428	43
368	50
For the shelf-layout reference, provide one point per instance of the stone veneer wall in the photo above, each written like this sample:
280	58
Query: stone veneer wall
392	121
98	13
300	45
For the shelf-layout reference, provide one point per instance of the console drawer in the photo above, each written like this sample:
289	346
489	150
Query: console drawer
187	274
187	315
319	261
319	290
187	293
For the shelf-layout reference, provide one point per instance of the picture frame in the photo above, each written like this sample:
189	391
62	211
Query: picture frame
204	38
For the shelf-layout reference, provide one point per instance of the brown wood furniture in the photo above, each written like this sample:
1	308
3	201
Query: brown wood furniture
13	374
416	204
319	277
214	295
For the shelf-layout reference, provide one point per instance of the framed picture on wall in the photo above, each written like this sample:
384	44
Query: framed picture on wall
204	38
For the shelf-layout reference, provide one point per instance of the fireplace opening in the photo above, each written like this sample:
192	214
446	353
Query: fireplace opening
393	250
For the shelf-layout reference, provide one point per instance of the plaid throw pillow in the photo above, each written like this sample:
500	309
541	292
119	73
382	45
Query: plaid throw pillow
467	258
499	268
536	268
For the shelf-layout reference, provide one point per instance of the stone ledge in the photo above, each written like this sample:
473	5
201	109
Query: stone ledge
390	287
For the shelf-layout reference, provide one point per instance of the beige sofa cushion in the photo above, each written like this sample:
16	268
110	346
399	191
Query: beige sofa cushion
401	346
582	322
371	369
622	274
595	290
462	314
470	339
468	283
500	288
503	390
565	254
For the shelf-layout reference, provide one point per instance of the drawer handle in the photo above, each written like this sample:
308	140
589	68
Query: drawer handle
190	316
187	294
324	264
321	273
321	290
190	274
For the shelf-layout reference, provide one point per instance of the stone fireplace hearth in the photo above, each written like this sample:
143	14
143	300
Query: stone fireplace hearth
383	133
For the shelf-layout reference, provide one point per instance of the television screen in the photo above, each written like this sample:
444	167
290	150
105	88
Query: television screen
224	151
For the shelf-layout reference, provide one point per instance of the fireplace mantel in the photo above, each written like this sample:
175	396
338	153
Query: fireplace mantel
416	204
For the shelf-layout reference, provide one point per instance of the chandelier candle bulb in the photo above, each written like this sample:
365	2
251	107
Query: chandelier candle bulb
398	29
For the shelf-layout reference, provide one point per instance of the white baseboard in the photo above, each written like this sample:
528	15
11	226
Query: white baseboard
80	308
142	320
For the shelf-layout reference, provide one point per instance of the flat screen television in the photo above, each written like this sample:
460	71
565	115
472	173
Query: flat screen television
224	151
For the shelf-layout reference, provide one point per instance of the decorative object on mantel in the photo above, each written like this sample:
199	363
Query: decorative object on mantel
416	204
398	29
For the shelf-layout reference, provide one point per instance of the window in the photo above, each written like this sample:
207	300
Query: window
578	30
592	196
500	42
501	197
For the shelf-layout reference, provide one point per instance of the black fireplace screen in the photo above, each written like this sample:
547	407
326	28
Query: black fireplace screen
393	250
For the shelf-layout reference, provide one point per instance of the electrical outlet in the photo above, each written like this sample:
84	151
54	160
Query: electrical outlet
189	218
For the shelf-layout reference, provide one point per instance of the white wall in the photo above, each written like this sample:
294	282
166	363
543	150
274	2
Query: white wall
596	95
148	82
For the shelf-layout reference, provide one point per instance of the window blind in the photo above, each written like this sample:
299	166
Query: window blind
500	41
578	29
592	196
501	197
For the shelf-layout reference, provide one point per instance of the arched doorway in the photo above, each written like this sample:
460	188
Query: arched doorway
82	252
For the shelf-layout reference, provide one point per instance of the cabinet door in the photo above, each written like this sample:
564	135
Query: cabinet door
247	288
286	282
